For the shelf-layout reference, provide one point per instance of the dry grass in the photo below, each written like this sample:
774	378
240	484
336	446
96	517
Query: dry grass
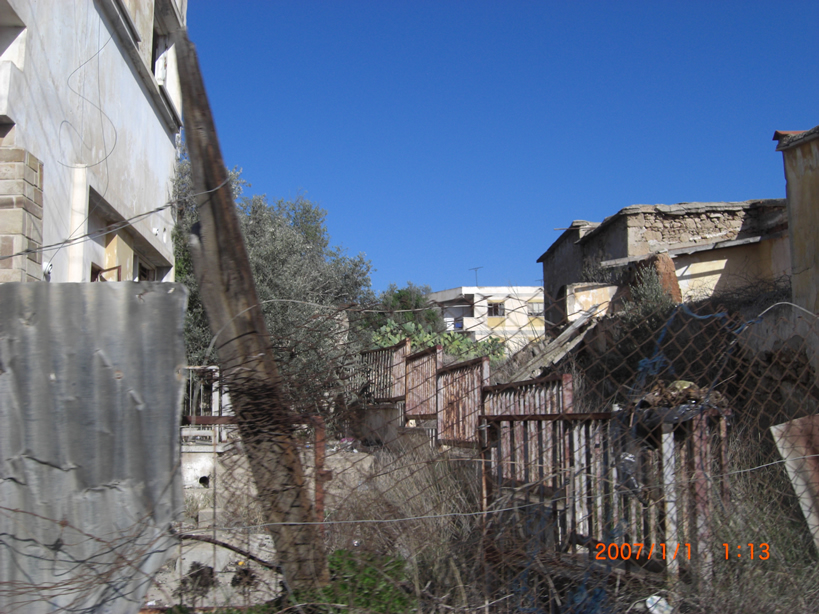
419	505
763	509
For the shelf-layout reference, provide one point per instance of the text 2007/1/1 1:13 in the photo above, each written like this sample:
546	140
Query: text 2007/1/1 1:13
625	552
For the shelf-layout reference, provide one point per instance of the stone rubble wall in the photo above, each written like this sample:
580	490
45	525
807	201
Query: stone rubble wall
677	226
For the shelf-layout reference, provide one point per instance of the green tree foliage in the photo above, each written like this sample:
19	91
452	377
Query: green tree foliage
302	282
406	313
404	305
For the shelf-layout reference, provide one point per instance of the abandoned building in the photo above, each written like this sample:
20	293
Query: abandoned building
90	113
714	248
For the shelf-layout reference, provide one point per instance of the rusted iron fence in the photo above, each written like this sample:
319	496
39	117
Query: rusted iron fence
459	389
549	395
601	487
383	371
421	370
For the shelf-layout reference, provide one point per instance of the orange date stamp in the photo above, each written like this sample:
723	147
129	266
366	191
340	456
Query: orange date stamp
625	552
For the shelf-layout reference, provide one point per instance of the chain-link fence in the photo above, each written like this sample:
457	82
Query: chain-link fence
646	460
658	457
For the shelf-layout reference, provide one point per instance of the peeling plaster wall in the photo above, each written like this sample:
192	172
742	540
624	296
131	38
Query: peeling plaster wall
704	274
802	175
582	297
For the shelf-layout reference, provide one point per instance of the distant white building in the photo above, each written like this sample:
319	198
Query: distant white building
513	314
90	112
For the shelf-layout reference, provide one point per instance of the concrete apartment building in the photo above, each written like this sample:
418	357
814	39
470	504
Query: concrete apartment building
513	314
90	113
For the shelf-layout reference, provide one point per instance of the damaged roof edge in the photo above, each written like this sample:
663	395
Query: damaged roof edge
791	138
682	209
577	225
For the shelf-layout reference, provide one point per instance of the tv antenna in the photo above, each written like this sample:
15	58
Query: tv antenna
476	273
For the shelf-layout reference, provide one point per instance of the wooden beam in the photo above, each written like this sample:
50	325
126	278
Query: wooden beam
243	346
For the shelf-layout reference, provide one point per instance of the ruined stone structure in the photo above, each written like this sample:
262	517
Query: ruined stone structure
714	246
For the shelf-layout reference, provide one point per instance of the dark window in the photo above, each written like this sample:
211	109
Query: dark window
496	310
146	273
535	309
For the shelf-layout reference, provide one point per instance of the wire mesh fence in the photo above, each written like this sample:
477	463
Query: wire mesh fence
665	461
638	461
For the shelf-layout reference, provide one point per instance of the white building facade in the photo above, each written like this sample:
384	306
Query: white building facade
90	114
512	314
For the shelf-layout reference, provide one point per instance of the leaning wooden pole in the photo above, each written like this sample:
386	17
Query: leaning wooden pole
243	348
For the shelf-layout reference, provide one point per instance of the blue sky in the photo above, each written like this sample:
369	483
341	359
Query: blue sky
446	135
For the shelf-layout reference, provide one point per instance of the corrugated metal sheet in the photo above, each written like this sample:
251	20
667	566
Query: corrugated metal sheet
532	397
384	370
421	370
90	397
458	388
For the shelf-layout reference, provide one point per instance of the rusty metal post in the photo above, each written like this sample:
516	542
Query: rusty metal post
322	475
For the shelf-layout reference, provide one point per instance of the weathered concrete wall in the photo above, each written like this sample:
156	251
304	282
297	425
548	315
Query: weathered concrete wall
379	423
141	13
79	106
802	175
582	297
563	263
708	273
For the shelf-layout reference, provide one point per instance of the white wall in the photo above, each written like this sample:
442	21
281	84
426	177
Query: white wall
81	107
516	328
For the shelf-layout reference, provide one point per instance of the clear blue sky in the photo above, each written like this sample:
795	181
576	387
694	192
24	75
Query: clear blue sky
444	135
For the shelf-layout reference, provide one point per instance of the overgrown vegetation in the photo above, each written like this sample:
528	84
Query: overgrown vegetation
456	345
426	500
361	581
406	313
649	300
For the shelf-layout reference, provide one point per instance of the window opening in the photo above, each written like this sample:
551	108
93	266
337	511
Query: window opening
496	310
535	309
